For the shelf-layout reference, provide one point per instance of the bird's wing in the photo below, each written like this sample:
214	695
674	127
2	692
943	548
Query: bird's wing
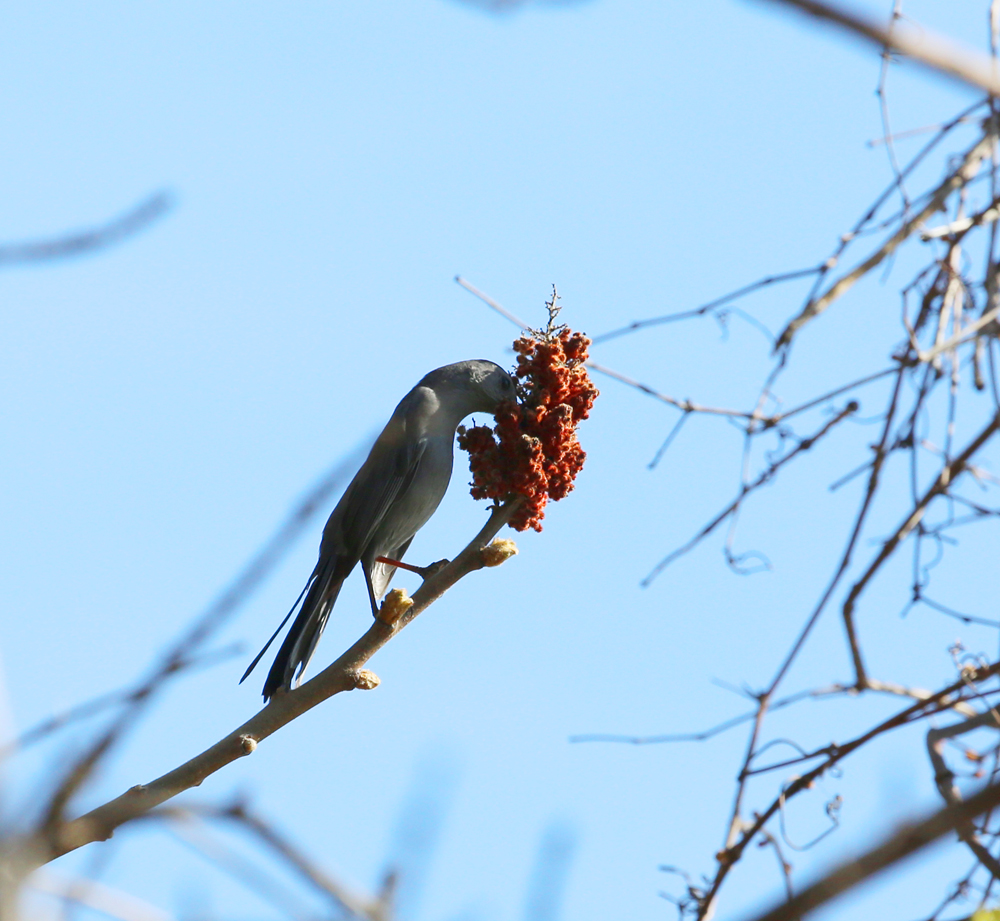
385	478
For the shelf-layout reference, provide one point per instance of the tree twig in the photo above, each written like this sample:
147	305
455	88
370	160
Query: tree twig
940	485
766	476
966	170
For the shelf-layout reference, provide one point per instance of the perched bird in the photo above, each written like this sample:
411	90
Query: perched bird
391	497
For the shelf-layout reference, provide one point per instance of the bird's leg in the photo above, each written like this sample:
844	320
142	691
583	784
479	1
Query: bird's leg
371	591
425	572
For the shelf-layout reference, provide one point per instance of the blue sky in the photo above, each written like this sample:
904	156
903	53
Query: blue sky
333	167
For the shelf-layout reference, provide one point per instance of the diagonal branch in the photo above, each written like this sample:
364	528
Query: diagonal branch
908	840
741	836
765	477
344	674
705	308
955	180
340	896
920	44
177	656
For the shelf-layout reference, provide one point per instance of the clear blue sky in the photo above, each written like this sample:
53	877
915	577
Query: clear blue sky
335	165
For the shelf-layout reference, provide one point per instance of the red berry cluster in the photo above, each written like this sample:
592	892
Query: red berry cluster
533	451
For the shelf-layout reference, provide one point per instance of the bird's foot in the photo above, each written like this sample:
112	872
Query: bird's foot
433	569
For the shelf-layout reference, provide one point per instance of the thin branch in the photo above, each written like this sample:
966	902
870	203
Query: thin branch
909	133
747	488
486	299
191	831
944	779
833	690
340	895
668	441
768	840
902	690
897	11
955	180
741	834
949	473
126	225
830	394
684	405
966	333
908	840
705	308
963	225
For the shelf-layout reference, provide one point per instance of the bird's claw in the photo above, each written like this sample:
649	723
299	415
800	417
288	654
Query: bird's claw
433	569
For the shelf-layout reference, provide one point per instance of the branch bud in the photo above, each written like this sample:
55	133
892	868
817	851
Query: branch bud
498	552
394	606
366	680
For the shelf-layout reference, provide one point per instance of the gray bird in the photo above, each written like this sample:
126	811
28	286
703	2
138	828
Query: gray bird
391	497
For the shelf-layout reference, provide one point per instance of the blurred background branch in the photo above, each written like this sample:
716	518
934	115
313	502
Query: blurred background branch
80	243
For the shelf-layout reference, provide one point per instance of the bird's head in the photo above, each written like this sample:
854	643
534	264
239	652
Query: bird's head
477	385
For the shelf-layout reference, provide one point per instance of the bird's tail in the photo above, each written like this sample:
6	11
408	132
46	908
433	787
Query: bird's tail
320	593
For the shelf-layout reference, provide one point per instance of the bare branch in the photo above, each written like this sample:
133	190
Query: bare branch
341	898
940	485
909	840
373	909
177	657
685	406
944	779
486	299
963	225
955	180
344	674
709	307
766	476
921	45
126	225
910	132
741	833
